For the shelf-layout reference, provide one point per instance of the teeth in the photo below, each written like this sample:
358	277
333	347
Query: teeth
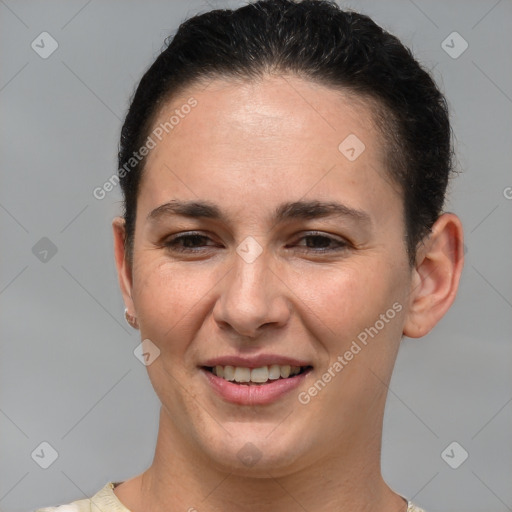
242	374
259	374
229	373
256	375
285	371
274	372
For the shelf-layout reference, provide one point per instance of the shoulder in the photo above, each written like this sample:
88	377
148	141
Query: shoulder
105	499
413	508
76	506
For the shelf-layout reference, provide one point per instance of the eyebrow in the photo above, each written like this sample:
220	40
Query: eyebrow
285	212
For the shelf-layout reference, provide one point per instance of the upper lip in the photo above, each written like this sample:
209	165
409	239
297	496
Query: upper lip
254	361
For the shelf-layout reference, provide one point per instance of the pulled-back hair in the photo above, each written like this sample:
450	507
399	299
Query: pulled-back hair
315	40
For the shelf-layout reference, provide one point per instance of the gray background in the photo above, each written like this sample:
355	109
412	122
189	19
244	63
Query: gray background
68	373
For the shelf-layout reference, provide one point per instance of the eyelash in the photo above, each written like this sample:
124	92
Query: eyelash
172	244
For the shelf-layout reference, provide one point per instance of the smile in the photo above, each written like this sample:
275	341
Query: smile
261	375
258	386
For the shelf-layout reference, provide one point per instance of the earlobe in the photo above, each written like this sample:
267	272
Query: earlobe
124	273
436	276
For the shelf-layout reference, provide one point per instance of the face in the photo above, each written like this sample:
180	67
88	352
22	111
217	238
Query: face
264	236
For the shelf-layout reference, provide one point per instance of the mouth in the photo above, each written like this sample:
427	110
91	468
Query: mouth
261	376
260	386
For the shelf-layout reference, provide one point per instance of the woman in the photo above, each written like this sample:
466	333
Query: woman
284	167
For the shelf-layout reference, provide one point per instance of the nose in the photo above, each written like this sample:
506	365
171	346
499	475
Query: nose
252	297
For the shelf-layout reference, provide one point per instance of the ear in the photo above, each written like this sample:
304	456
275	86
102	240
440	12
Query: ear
436	275
124	271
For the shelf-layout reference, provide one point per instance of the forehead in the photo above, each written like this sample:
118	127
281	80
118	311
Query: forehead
258	140
275	111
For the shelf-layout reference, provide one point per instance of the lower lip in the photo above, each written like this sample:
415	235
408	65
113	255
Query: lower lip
258	394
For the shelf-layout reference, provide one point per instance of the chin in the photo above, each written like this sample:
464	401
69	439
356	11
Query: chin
254	452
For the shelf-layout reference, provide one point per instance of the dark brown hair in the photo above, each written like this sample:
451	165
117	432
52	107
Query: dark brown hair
316	40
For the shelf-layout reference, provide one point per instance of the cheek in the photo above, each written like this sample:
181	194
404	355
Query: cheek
346	305
169	301
348	298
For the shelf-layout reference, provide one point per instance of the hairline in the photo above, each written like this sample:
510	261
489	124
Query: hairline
381	116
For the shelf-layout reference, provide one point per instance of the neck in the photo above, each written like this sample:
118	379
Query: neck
345	480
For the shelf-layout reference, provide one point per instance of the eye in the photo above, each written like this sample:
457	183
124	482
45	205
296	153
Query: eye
193	242
320	242
188	242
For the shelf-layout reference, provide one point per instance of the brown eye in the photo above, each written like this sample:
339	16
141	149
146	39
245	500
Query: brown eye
322	243
190	242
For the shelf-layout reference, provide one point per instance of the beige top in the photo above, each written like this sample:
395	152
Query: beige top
106	501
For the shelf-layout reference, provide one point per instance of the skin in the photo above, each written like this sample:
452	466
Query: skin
248	147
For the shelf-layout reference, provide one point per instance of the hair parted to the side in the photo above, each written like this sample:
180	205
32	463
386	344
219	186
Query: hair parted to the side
315	40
